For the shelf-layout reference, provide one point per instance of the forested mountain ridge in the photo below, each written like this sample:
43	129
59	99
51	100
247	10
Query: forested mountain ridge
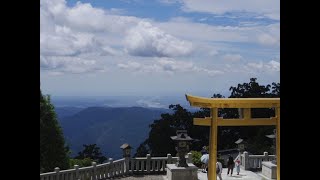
108	127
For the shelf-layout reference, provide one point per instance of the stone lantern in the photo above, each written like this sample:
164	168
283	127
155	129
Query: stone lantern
126	148
241	145
182	141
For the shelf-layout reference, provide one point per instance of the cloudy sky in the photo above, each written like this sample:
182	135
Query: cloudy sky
157	47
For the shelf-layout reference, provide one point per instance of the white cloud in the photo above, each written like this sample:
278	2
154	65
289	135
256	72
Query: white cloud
269	8
268	40
271	66
199	32
86	39
232	57
62	64
147	40
85	32
150	103
64	41
168	1
203	32
168	66
203	19
213	52
274	65
130	65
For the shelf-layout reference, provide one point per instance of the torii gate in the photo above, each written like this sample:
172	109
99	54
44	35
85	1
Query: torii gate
244	103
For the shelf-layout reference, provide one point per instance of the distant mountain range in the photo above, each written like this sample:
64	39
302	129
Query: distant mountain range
121	101
108	127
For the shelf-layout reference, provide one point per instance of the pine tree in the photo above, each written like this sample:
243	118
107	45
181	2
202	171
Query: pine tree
53	152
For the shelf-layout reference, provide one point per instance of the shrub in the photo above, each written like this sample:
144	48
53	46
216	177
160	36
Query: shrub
81	162
196	156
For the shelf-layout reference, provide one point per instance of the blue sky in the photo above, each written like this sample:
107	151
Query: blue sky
160	47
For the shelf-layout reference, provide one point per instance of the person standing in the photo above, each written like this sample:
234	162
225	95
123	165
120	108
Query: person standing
230	164
238	166
219	169
204	160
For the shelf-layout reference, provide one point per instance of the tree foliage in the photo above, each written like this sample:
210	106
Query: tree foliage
159	142
81	162
254	135
91	151
53	152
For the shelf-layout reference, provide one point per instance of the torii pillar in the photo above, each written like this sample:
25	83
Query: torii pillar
243	103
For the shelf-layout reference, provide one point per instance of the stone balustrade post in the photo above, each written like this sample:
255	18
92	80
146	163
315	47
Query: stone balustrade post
126	161
246	160
57	170
132	165
76	167
148	163
266	156
111	167
169	159
142	165
137	165
189	158
94	171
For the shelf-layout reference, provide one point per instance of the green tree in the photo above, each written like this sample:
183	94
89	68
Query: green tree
159	143
53	152
196	158
255	135
93	152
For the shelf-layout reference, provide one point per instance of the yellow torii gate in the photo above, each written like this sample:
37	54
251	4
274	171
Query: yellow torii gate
244	103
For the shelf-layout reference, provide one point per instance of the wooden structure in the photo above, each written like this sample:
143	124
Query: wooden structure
243	103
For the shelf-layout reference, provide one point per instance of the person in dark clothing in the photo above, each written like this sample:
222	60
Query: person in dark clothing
230	164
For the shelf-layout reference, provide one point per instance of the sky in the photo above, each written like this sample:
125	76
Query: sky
157	47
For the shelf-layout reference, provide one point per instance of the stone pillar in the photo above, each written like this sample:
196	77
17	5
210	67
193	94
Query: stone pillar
94	171
246	160
266	156
182	173
269	170
126	163
169	158
132	165
189	158
111	169
148	163
76	167
57	170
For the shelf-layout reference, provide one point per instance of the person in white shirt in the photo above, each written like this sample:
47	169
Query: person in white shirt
238	165
219	169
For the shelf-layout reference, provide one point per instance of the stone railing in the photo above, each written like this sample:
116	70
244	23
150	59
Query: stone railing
118	168
249	162
94	172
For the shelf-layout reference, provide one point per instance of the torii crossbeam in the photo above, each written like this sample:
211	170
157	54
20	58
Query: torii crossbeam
243	103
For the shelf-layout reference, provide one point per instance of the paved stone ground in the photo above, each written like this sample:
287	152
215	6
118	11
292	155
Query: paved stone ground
246	175
145	177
